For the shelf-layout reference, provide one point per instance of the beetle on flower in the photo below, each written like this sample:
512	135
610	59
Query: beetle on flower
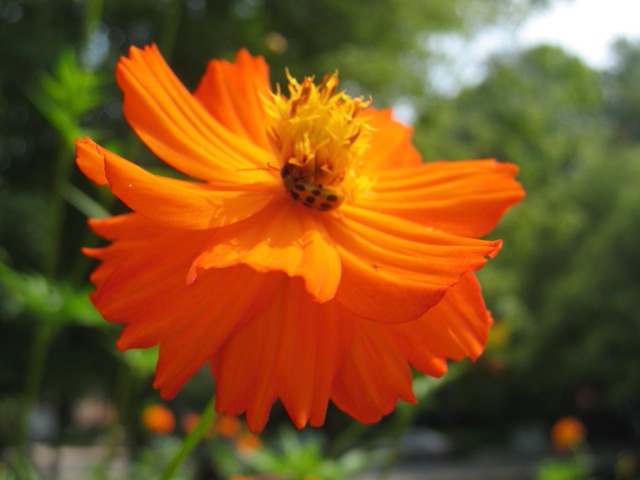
315	259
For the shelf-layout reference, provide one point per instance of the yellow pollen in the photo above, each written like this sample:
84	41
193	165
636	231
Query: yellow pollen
318	134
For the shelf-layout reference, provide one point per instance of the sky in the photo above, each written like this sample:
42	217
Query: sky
584	27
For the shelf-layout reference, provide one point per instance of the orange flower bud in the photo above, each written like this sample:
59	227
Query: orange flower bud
228	427
189	421
567	432
158	419
247	443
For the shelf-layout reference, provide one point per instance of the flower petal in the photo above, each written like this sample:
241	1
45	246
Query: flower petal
171	202
374	375
128	226
456	328
90	160
390	146
132	229
239	295
146	289
284	237
292	350
464	198
231	94
177	127
394	270
143	274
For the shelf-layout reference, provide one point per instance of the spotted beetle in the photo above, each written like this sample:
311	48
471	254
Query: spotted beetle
309	194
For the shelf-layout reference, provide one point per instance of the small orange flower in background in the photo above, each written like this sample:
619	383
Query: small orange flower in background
189	422
158	419
316	259
227	427
247	442
567	433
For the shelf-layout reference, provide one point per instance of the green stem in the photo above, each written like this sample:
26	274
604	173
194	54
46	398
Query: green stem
56	210
38	355
92	17
64	163
191	440
115	433
169	29
404	417
347	439
406	414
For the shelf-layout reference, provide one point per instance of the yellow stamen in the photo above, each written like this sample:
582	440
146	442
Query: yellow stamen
318	134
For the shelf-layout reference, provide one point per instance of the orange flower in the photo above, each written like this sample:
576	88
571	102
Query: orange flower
158	419
247	443
567	433
189	422
227	426
316	259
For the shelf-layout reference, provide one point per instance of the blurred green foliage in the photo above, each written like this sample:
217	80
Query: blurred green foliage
302	457
564	288
558	470
566	283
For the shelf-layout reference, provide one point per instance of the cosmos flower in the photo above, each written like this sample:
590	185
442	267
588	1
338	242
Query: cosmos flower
227	427
308	255
247	443
158	419
567	433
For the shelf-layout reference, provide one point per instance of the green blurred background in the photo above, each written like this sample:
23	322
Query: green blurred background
564	290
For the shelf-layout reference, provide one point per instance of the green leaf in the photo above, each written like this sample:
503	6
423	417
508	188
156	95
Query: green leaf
67	94
48	301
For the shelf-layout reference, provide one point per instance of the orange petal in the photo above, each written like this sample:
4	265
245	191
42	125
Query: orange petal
244	373
231	94
464	198
393	270
460	321
145	288
177	127
374	375
133	229
284	237
102	271
293	351
171	202
390	144
315	340
210	313
128	226
90	160
456	328
143	272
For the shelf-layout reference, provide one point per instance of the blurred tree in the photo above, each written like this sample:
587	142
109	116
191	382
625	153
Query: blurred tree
623	95
565	284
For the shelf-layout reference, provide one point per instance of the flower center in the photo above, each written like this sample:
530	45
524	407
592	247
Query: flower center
319	137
